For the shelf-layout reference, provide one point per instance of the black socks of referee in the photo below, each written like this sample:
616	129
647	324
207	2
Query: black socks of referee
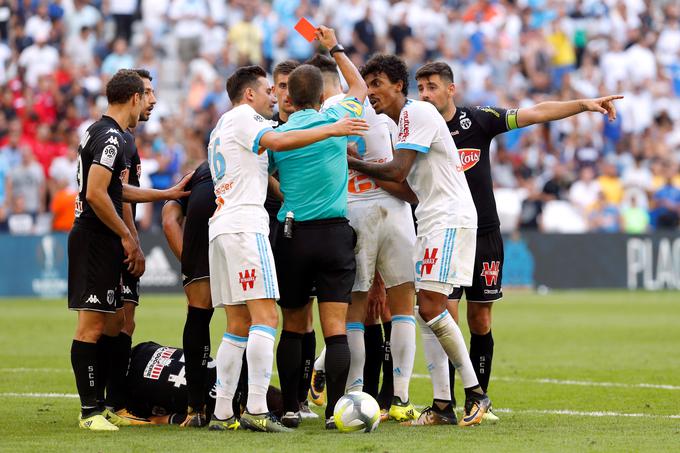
308	354
288	361
373	340
84	363
119	361
337	368
196	345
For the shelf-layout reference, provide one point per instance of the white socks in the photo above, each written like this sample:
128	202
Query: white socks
450	337
320	362
357	349
229	361
260	354
403	347
437	361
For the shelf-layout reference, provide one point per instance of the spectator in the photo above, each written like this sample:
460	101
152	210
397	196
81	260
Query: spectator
119	58
123	12
63	206
26	188
634	219
610	184
63	170
188	17
585	190
39	59
666	212
246	39
80	48
81	15
604	216
557	187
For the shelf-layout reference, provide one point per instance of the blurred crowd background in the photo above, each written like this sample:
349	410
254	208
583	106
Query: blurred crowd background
577	175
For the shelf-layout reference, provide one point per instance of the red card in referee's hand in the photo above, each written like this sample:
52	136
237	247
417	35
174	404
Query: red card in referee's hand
306	29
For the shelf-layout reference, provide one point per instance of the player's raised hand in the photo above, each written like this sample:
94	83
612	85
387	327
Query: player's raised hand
604	105
326	37
349	126
177	191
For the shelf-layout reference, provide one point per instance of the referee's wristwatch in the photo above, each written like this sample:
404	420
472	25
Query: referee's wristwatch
337	48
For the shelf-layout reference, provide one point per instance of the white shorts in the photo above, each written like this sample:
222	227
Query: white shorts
241	269
445	259
385	241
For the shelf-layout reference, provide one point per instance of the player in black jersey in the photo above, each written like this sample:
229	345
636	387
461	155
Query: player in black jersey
119	333
100	241
185	224
156	386
472	129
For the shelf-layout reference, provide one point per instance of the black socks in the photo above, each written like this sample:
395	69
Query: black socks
288	361
84	363
481	353
308	355
373	339
119	363
196	345
337	368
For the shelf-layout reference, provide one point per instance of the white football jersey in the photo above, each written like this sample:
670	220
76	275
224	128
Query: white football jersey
437	177
240	172
374	146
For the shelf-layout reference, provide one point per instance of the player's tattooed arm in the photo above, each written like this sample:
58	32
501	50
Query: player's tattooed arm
289	140
173	227
554	110
138	195
395	170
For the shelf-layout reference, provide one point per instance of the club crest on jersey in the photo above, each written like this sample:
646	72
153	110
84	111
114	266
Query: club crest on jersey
424	267
465	122
161	358
247	279
468	158
490	272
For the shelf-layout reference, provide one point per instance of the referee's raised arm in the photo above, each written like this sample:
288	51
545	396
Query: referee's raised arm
356	83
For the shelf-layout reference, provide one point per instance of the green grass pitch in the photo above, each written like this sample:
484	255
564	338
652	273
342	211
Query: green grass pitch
572	371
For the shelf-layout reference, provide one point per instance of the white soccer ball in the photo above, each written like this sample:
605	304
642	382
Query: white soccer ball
356	412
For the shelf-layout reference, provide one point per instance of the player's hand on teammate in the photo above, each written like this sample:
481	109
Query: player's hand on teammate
326	37
132	256
177	191
377	298
604	105
353	150
349	126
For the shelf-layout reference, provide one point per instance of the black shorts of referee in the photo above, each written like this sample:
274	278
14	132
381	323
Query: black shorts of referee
320	254
200	207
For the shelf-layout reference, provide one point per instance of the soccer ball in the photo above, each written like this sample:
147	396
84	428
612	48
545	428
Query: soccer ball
356	412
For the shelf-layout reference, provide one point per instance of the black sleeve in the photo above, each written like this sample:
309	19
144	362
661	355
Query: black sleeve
495	120
108	148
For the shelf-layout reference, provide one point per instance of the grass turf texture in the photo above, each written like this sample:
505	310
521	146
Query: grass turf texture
607	337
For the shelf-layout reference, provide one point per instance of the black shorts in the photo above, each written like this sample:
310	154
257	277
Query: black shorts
488	272
320	254
129	287
94	271
201	206
274	226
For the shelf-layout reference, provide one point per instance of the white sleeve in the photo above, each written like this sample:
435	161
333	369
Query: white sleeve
417	128
251	126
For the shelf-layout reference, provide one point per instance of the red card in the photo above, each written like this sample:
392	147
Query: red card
306	29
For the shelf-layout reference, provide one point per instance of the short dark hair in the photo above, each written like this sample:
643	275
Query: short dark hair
285	68
392	66
325	64
144	74
305	86
123	85
244	77
439	68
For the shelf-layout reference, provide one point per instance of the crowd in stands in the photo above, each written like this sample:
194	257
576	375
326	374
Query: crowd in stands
576	175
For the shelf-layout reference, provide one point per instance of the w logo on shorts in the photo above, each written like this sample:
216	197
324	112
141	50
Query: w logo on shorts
429	260
247	279
490	272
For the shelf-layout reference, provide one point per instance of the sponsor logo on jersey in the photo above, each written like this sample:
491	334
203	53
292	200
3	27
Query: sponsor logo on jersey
404	126
161	358
110	297
454	133
468	158
258	118
465	122
92	300
112	140
247	279
490	110
108	157
490	272
424	267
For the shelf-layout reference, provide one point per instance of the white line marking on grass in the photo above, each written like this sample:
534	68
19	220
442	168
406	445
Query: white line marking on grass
573	382
34	370
580	413
38	395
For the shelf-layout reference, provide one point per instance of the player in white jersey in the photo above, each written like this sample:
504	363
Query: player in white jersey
242	272
384	243
426	157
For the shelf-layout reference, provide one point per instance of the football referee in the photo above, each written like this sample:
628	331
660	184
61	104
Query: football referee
317	248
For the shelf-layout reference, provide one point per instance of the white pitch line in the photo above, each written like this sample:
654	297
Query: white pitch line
573	382
500	411
34	370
